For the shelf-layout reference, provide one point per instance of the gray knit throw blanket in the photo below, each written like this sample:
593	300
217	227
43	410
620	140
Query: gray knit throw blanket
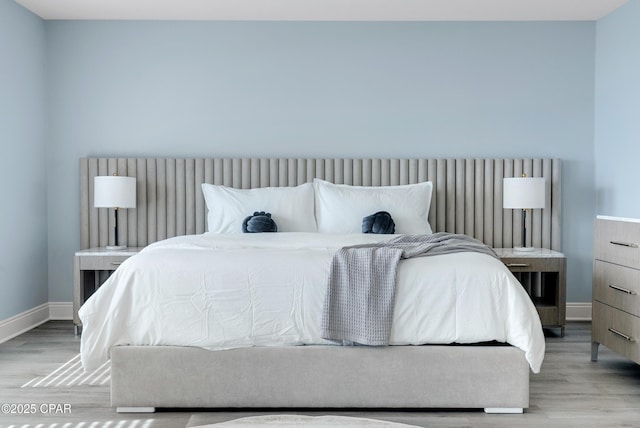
360	297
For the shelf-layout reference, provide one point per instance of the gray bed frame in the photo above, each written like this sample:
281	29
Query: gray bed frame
467	199
495	378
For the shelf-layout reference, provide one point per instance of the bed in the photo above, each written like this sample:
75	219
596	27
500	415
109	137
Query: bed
195	366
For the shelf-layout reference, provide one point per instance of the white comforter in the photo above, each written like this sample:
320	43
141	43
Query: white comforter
239	290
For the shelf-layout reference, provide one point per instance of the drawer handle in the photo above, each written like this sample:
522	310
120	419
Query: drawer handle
624	290
116	263
624	244
517	265
622	335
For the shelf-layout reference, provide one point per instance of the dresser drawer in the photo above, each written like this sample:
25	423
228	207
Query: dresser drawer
617	286
617	330
617	242
101	262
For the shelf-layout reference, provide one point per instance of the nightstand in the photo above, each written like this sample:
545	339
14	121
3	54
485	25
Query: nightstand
542	273
91	268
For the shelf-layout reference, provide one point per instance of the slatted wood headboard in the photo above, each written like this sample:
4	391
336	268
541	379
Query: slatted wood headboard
467	195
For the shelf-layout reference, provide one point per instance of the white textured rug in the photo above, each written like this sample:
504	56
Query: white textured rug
304	421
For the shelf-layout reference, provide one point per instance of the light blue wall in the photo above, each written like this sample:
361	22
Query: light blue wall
321	89
23	209
617	123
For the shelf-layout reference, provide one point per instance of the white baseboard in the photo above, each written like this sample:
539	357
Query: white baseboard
18	324
60	310
25	321
579	311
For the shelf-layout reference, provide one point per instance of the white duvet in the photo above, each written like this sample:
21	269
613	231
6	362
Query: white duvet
239	290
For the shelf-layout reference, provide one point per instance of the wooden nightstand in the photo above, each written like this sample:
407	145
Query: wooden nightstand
90	269
542	273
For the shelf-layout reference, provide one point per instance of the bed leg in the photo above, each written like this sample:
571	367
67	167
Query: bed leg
503	410
135	409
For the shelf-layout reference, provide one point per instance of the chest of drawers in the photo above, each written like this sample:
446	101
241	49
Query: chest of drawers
616	287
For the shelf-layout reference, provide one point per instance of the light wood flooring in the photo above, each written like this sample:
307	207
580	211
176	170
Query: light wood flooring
570	391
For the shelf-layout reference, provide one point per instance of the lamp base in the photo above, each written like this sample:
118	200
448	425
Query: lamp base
524	249
116	247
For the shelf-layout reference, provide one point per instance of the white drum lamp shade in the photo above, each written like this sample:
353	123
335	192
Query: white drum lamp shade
523	193
114	192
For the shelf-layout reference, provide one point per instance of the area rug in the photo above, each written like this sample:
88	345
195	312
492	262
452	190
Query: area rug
287	421
72	373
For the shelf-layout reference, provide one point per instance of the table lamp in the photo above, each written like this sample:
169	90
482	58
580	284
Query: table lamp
523	193
114	192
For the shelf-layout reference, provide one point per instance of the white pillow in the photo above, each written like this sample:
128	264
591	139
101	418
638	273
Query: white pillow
340	208
290	207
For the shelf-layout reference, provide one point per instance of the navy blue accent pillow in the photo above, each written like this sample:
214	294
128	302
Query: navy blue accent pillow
380	222
259	222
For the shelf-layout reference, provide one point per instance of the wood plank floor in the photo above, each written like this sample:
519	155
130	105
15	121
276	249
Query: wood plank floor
571	391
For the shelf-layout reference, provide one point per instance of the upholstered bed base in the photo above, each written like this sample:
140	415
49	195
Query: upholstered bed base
495	378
